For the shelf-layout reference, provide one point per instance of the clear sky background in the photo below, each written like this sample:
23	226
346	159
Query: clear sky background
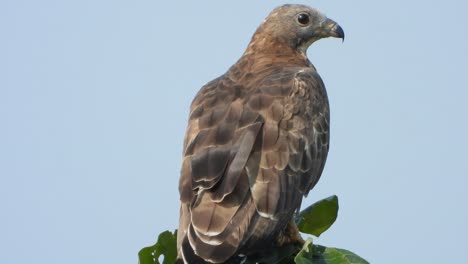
94	98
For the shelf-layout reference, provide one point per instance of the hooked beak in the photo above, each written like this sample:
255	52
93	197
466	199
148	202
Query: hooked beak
332	29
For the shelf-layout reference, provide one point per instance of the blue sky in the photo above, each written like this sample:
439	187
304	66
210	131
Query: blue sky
94	98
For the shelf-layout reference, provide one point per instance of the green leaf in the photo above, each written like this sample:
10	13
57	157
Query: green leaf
324	255
166	246
275	255
343	256
318	217
306	255
316	254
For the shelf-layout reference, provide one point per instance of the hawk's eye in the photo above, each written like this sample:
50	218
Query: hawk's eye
303	19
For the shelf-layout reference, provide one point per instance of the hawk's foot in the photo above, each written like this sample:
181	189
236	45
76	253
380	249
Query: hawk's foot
290	235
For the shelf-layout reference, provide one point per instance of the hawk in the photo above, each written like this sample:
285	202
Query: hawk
256	143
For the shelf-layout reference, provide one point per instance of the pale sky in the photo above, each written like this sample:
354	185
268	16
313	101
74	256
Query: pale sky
94	98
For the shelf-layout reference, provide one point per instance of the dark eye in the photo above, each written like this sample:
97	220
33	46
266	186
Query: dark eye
303	19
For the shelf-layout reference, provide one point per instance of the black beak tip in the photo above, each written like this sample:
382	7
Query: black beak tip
335	30
339	32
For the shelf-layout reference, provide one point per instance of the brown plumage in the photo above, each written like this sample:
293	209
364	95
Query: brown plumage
256	143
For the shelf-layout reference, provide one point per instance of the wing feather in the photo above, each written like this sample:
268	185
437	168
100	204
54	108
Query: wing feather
250	154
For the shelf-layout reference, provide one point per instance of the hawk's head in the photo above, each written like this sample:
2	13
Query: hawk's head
297	25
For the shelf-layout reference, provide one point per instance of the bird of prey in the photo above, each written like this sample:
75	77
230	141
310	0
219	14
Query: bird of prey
256	143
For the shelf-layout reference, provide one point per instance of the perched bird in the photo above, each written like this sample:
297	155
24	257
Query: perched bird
256	143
